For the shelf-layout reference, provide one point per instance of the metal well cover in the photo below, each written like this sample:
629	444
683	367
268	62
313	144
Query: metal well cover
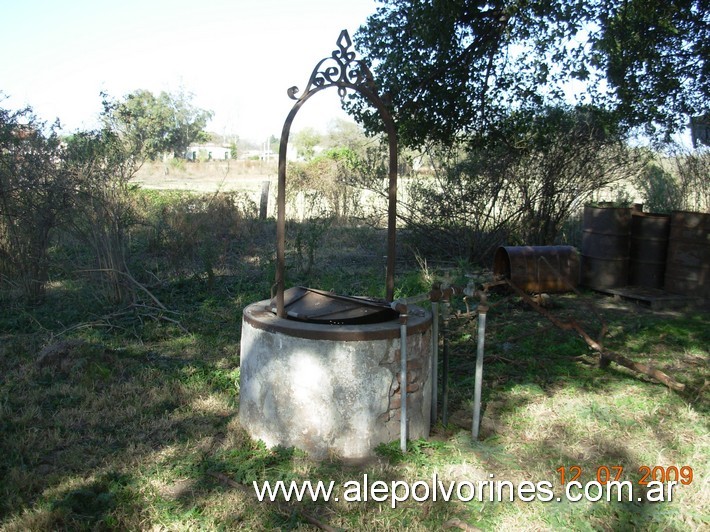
317	306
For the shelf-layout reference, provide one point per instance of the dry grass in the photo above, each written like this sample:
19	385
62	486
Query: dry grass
208	177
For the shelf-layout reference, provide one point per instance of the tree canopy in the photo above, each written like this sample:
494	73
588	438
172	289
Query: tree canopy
451	67
159	124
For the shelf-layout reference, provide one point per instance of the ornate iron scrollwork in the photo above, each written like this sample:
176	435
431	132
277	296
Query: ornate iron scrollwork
340	69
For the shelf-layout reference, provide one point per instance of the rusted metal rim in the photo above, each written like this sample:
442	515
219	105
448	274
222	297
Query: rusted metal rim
343	71
260	316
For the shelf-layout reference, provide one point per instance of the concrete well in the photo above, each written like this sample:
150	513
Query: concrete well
332	390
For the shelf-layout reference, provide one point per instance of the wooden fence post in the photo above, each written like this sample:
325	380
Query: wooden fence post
263	205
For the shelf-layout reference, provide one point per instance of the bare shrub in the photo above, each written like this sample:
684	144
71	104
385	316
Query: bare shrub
325	184
659	188
34	193
693	171
454	210
103	165
519	186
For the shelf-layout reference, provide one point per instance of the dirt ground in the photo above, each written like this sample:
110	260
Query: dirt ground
213	176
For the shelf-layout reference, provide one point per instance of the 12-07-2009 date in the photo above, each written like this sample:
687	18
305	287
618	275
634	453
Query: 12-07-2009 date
605	474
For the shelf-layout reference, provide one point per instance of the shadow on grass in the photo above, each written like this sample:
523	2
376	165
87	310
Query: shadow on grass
545	399
84	415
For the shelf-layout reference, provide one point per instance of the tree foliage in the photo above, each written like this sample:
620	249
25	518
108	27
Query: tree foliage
305	142
82	185
452	67
656	56
157	125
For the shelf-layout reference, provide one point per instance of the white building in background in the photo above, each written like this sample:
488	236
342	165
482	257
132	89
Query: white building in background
266	154
207	152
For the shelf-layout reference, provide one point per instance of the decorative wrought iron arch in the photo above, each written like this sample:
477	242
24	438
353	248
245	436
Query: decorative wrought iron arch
344	71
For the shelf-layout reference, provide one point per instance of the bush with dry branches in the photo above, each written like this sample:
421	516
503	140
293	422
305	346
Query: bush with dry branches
34	199
518	186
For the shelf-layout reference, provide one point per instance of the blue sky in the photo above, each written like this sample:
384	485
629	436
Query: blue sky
237	57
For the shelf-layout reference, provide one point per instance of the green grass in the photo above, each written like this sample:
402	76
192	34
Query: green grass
131	426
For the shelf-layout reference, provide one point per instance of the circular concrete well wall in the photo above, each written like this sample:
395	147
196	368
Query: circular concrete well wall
332	390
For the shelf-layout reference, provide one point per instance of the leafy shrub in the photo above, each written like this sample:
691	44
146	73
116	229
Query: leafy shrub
325	184
680	182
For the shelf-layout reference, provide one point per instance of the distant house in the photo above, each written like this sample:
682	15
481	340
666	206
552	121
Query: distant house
207	152
266	154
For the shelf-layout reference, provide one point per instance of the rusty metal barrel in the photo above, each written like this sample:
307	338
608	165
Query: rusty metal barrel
606	239
688	261
538	268
649	247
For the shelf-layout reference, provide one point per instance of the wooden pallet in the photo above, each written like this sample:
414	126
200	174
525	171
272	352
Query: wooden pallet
652	297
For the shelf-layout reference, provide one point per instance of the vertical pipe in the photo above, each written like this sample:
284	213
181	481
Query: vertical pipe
391	208
482	309
445	376
281	224
434	361
403	382
281	207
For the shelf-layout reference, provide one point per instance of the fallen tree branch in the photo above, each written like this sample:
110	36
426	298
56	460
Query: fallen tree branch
133	281
133	310
605	357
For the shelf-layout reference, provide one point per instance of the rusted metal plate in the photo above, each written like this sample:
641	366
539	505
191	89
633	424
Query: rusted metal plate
317	306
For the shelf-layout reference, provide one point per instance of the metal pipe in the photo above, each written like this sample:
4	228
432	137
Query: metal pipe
482	310
445	377
434	361
403	425
435	297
